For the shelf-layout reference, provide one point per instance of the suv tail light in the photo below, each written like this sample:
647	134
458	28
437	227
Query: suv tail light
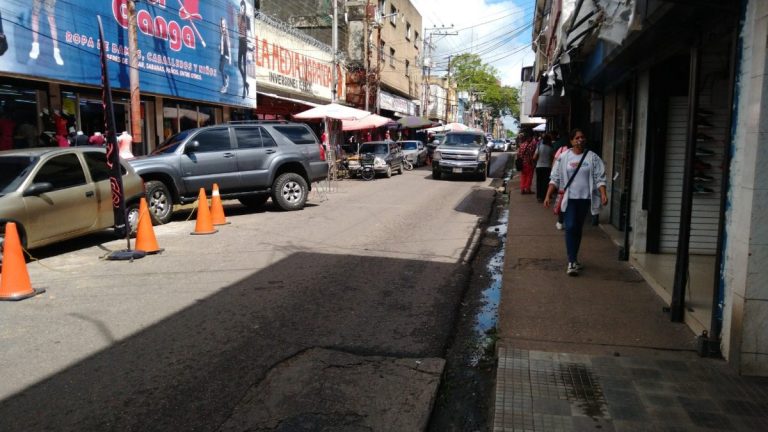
322	152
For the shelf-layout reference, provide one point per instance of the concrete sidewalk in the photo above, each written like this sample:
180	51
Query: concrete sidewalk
597	352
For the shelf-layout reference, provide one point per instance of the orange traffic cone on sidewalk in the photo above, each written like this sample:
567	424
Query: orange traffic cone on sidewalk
145	234
217	209
14	281
203	225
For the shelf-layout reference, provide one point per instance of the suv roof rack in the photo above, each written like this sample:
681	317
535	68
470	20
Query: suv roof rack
257	121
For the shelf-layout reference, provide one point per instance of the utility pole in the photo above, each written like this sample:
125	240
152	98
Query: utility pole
335	42
133	74
427	64
448	90
367	49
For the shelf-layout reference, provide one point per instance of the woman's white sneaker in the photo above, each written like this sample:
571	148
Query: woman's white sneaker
572	270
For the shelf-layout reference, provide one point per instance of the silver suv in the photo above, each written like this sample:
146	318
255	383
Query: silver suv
461	153
250	161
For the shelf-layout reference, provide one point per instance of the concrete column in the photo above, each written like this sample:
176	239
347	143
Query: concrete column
639	216
745	337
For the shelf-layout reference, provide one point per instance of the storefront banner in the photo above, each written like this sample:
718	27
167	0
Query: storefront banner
391	102
187	48
113	156
289	62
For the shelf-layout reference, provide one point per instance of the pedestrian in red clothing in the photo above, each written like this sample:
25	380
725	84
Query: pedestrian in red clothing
525	154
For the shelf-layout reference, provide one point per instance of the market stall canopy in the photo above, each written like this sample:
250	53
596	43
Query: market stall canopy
450	127
414	122
540	128
334	111
368	122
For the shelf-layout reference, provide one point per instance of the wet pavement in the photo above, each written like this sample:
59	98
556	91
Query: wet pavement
598	352
464	401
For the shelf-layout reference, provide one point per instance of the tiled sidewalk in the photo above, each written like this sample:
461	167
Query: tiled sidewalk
597	352
544	391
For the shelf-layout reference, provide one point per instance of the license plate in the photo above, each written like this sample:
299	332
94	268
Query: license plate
457	170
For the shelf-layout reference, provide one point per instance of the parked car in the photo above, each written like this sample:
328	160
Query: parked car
499	145
250	161
387	158
414	151
462	153
55	194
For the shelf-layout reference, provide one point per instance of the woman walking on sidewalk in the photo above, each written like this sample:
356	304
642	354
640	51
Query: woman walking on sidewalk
581	173
525	154
543	158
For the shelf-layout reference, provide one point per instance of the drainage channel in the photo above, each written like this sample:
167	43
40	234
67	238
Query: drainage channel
464	401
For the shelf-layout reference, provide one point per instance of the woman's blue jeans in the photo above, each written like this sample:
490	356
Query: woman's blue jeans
575	214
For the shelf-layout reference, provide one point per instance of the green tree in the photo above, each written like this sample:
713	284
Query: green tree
482	80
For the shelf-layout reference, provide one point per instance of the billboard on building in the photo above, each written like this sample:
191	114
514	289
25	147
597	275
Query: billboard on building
193	49
294	62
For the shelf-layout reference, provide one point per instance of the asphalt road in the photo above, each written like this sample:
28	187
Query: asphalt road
237	330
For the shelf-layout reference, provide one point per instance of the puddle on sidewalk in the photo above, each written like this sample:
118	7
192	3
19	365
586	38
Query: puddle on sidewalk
487	315
465	397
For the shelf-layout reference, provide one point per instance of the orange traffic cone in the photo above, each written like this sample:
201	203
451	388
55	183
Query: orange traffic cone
217	210
203	224
15	284
145	234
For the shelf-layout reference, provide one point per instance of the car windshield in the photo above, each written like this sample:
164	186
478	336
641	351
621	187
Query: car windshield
374	148
409	145
13	171
171	144
463	140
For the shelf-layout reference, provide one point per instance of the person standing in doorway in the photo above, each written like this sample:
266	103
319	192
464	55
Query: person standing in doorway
543	158
50	11
244	32
581	173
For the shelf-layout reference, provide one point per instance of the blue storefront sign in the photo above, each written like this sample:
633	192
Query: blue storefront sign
193	49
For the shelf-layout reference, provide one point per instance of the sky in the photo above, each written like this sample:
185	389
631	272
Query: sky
498	30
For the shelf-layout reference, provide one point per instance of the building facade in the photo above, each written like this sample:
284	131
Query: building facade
672	97
190	73
222	61
381	75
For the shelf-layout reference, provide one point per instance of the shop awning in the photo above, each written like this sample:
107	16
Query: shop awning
369	122
334	111
450	127
288	99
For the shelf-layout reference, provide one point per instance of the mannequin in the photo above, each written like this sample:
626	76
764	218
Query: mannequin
60	123
80	139
125	145
97	139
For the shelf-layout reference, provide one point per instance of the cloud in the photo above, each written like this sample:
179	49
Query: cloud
498	30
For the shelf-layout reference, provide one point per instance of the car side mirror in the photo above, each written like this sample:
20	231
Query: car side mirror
191	147
38	189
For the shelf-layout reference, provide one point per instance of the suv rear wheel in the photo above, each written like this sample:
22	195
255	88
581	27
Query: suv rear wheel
159	201
289	192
